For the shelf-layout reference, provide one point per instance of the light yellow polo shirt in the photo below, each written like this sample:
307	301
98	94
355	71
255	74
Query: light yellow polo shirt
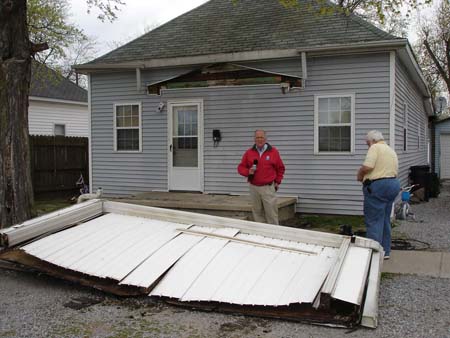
383	160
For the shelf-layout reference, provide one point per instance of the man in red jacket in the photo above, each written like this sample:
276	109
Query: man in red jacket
264	168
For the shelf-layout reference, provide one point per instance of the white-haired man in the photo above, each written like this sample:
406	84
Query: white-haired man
380	187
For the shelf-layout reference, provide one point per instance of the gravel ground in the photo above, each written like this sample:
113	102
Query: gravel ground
35	305
432	223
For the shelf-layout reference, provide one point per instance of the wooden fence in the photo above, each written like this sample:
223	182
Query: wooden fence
57	162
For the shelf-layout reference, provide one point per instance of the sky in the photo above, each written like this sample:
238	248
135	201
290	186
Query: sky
132	20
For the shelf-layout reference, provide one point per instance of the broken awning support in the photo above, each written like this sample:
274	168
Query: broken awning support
204	261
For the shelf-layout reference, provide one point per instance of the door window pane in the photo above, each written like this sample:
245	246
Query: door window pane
185	152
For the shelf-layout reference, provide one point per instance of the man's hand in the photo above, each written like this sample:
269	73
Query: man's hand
251	171
276	186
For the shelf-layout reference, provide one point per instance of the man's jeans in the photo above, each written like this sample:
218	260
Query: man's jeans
378	199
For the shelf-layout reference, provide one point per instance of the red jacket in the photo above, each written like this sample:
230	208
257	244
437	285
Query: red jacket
270	167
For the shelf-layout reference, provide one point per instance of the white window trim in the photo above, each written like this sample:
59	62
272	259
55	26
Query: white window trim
316	124
115	128
59	124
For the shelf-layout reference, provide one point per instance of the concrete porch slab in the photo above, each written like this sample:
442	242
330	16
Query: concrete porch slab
221	205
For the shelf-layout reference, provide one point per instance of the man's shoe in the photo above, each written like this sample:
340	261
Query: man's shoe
386	257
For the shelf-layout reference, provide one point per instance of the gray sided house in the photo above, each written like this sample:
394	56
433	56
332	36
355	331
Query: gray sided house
176	108
442	148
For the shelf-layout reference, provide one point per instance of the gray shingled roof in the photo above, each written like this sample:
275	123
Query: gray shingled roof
47	83
220	26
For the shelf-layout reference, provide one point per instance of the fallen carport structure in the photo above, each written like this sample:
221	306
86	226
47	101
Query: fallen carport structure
205	261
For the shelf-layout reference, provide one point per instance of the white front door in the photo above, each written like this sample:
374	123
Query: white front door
185	145
445	156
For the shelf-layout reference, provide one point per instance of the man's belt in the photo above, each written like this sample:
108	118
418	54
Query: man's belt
262	185
369	181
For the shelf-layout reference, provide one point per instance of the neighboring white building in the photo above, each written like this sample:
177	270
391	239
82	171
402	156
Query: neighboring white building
57	106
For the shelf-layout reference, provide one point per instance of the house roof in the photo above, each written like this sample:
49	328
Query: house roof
225	26
46	83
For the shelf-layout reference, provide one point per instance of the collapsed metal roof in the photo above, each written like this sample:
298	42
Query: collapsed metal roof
205	261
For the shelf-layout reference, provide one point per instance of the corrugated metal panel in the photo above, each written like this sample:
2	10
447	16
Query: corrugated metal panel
237	111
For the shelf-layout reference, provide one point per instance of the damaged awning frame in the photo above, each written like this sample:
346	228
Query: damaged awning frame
325	309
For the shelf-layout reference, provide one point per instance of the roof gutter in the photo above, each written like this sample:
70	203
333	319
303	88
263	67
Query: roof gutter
235	57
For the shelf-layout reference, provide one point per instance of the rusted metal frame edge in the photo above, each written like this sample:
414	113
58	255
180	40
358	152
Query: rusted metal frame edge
244	241
18	256
51	222
253	228
370	310
330	282
302	313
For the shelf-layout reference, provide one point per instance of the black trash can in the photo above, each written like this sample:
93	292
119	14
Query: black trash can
420	174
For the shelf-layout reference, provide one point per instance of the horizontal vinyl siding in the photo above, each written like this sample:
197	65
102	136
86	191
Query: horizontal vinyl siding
322	183
407	92
441	128
42	116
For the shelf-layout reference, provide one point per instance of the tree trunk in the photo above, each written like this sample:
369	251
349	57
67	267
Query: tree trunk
16	191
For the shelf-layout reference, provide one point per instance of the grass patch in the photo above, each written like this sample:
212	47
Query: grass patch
42	207
326	223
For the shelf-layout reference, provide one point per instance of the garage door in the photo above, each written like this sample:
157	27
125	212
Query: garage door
445	156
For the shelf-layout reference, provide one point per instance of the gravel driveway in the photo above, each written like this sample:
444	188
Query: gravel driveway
432	223
34	305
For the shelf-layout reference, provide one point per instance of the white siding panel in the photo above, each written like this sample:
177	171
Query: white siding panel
42	116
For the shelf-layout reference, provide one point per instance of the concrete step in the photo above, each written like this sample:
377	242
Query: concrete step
212	204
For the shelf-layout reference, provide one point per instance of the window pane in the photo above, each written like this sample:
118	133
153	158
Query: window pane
334	117
127	110
323	110
334	104
135	110
135	121
346	116
186	156
60	129
128	139
334	139
345	103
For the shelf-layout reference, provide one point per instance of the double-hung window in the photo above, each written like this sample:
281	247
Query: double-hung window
334	123
127	127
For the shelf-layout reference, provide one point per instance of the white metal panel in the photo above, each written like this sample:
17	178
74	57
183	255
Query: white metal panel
216	272
178	280
54	243
370	313
103	261
146	274
309	278
111	226
53	221
352	277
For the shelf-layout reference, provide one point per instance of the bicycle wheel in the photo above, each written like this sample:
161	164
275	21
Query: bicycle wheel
405	210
